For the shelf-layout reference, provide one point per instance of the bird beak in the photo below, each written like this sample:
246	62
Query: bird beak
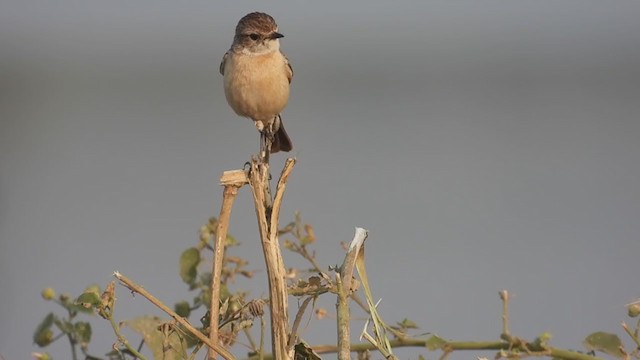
276	35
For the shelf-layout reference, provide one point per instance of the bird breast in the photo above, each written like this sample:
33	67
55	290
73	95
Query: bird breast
257	86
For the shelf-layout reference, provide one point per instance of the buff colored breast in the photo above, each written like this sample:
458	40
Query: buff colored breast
257	86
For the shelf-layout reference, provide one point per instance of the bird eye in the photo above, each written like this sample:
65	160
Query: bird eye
254	36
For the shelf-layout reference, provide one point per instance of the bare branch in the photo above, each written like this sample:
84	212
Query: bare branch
232	180
195	332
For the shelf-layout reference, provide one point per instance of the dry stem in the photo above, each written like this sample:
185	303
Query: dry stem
504	296
195	332
344	283
450	346
232	181
267	212
293	338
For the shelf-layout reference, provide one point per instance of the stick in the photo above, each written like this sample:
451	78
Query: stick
232	181
195	332
267	212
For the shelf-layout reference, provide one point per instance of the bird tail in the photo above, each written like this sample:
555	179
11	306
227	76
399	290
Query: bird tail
281	141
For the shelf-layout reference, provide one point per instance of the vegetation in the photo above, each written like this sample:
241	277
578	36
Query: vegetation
226	316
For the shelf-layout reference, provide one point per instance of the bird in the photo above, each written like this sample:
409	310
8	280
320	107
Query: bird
257	77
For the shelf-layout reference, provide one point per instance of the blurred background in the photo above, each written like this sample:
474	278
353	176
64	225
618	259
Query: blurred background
485	145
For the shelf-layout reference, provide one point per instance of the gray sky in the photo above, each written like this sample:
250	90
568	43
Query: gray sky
485	146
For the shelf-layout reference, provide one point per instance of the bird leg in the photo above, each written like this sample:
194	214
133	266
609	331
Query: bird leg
267	135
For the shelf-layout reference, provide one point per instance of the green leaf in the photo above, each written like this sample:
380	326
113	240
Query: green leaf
80	308
46	322
83	333
182	308
189	261
43	338
197	301
64	325
89	300
435	342
43	334
95	288
224	292
163	346
605	342
205	278
205	298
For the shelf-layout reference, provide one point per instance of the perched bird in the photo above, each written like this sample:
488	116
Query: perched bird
257	77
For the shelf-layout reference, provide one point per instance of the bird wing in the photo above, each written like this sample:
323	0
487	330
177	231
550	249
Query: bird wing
224	61
289	68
